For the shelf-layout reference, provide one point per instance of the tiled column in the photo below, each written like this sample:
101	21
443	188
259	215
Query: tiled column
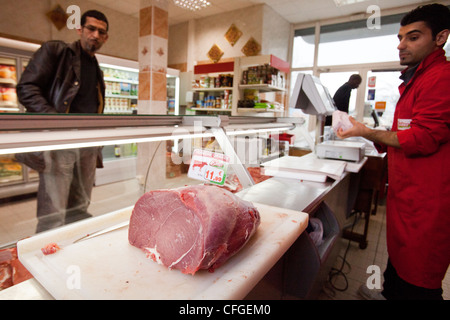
153	46
153	43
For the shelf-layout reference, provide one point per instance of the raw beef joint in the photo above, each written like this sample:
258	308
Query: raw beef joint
192	228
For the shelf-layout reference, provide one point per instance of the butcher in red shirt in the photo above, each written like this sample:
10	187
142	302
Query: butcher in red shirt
418	148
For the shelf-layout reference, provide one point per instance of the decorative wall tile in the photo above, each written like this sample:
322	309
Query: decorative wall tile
159	107
159	54
145	53
162	4
144	106
210	30
215	53
144	86
161	23
233	35
58	17
251	48
159	86
145	21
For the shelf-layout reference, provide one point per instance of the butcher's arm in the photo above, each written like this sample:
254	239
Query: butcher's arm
388	138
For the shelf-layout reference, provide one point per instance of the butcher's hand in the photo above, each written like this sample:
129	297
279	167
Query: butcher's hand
358	130
388	138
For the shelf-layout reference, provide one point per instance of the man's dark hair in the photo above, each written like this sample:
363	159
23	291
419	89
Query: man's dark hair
436	16
355	77
94	14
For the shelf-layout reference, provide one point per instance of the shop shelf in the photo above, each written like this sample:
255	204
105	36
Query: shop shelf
262	87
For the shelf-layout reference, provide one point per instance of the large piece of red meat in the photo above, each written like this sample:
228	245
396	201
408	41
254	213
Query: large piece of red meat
192	228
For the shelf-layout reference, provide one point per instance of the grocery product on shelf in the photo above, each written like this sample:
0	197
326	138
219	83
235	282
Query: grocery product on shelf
8	72
10	170
219	81
8	81
121	91
211	101
263	74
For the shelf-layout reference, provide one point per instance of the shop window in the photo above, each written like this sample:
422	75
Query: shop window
384	90
303	48
354	43
334	80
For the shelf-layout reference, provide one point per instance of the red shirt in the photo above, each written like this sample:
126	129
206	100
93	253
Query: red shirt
418	205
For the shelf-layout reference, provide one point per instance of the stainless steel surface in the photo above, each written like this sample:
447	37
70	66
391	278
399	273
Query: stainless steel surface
75	121
57	121
287	193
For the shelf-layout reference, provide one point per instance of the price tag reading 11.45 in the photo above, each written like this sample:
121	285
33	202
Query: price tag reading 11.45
208	166
215	175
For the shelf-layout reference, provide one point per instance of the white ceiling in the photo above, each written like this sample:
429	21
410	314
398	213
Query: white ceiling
294	11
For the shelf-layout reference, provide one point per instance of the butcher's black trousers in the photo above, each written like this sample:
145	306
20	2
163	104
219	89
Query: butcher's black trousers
395	288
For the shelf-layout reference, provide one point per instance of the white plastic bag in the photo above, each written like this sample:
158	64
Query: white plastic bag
317	233
341	120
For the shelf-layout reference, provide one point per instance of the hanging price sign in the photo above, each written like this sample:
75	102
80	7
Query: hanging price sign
208	166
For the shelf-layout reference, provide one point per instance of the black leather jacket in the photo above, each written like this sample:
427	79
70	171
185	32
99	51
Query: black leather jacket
52	79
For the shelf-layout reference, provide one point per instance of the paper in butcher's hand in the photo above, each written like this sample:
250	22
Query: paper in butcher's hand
341	120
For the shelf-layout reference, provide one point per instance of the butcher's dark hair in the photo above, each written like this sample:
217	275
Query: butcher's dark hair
436	16
94	14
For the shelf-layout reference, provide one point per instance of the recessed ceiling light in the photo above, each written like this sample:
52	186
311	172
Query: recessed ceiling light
193	5
340	3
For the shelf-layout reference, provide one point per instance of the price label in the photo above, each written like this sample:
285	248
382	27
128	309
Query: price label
208	166
215	175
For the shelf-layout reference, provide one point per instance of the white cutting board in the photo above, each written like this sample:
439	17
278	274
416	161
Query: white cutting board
108	267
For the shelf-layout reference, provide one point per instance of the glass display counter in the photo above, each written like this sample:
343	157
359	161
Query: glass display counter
160	148
155	154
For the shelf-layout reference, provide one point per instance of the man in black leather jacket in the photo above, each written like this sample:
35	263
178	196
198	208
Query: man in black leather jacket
66	78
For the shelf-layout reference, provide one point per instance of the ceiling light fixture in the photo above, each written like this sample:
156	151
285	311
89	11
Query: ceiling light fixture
340	3
193	5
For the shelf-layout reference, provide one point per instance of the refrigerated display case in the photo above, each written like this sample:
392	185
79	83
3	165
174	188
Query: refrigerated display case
14	57
121	89
173	91
121	95
15	178
8	81
103	130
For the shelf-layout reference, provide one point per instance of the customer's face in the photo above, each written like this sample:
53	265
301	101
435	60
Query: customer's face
416	43
93	35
